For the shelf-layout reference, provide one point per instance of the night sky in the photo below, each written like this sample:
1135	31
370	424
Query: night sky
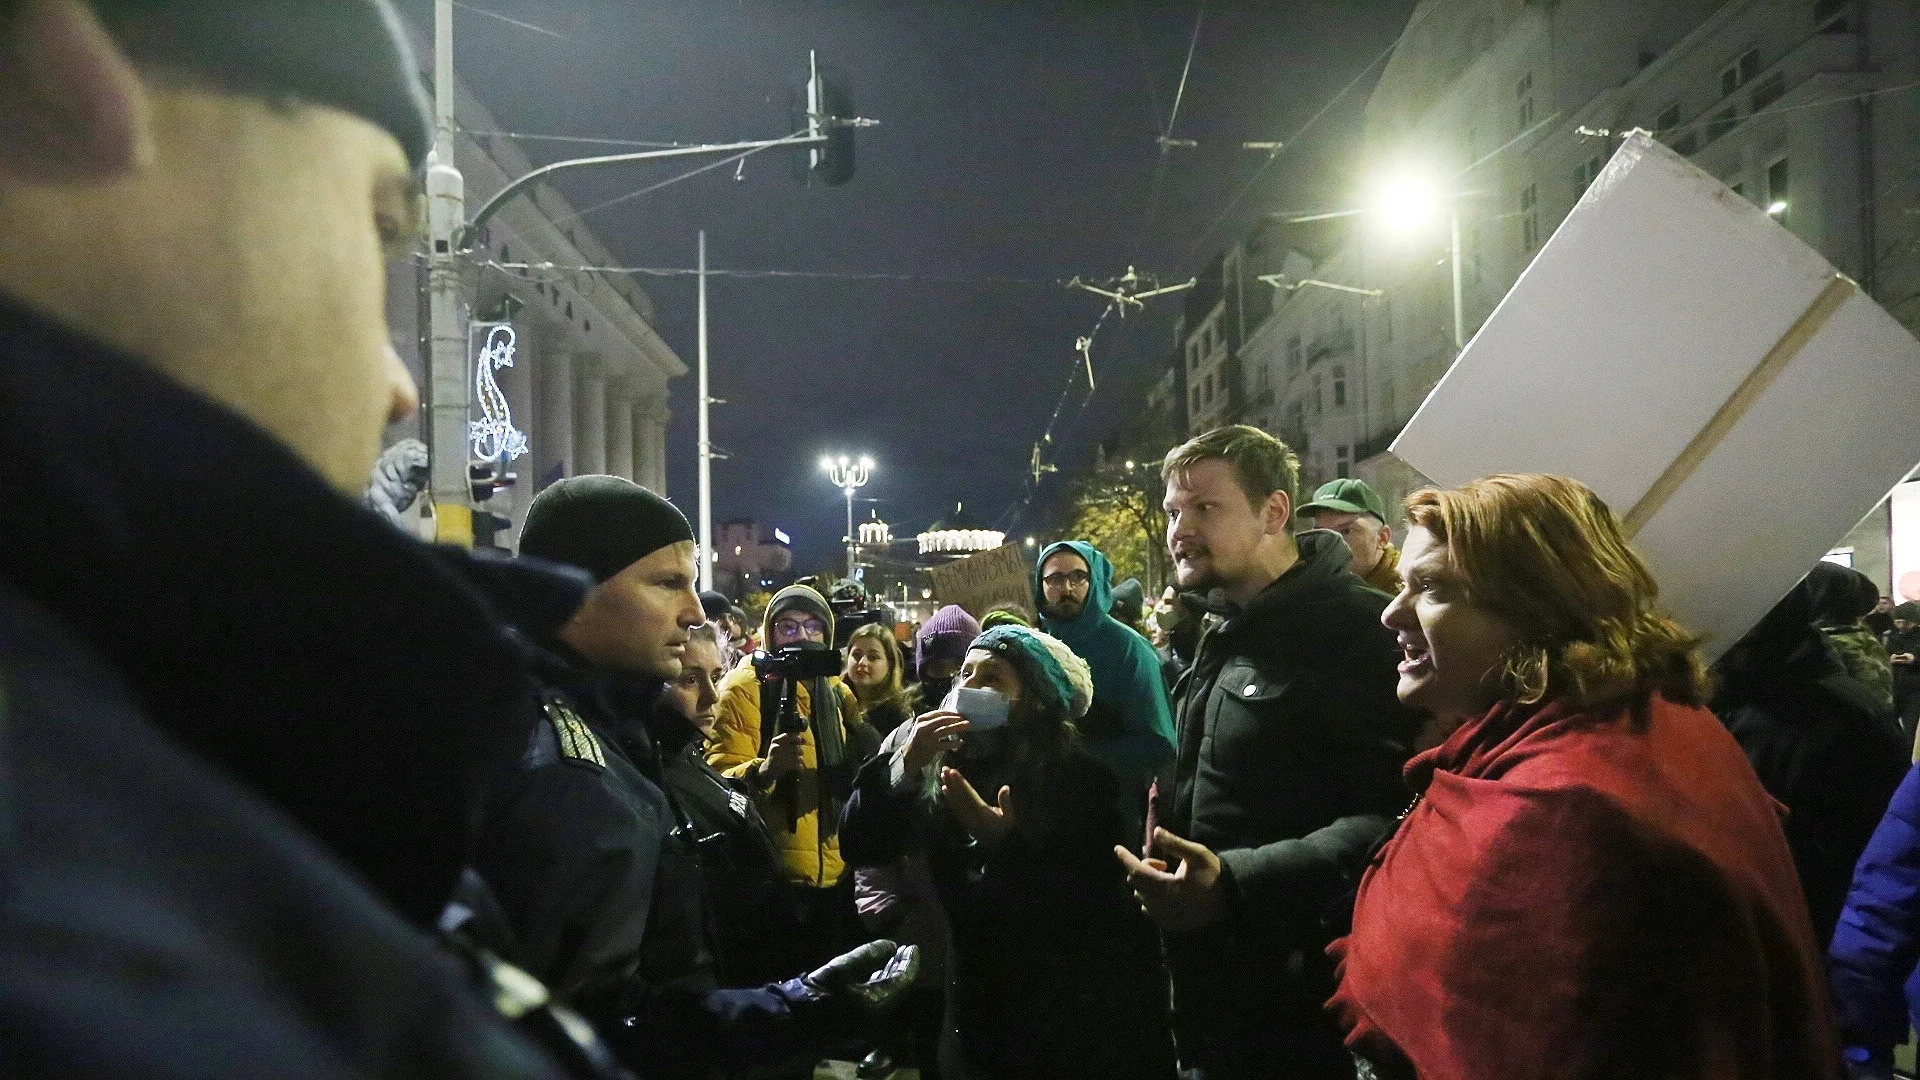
1017	148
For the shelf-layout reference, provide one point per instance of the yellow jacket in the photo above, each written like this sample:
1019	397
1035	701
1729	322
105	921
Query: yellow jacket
735	749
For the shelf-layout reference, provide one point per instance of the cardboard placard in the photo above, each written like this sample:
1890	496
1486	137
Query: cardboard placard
1738	402
985	580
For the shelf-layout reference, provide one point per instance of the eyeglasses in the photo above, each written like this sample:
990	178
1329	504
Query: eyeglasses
1075	578
812	628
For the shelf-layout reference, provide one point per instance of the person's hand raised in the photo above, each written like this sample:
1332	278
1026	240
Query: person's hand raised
932	733
1179	901
988	825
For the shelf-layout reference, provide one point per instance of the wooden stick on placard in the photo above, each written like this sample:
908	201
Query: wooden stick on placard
1837	292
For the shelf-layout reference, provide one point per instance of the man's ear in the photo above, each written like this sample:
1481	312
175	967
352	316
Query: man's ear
1279	511
72	109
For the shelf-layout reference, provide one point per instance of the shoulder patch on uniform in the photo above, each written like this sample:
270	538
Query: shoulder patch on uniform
577	741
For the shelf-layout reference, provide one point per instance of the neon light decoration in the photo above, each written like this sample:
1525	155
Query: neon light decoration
494	435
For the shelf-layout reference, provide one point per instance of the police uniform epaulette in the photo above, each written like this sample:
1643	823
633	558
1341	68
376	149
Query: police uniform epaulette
576	740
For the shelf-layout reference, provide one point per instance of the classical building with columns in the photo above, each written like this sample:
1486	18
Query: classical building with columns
588	384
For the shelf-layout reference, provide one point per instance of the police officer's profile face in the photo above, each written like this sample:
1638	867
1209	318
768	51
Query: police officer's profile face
237	244
637	620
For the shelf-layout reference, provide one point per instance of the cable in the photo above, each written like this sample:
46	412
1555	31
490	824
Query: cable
638	144
826	275
688	175
1198	14
513	22
1201	238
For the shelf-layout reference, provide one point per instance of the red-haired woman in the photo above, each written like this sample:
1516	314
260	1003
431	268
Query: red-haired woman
1591	881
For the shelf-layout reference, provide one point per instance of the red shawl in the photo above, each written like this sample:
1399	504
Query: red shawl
1585	896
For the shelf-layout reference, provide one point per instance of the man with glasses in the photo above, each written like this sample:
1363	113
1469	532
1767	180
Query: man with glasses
800	778
1130	724
1355	511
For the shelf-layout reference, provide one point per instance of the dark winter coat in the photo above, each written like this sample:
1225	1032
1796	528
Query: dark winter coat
1291	744
1053	970
242	734
1821	743
1877	942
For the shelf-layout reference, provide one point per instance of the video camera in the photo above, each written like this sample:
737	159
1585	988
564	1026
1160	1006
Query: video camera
781	671
795	663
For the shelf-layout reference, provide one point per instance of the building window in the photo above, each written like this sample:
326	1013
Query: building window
1296	355
1319	399
1209	393
1668	119
1738	189
1831	16
1770	90
1195	407
1529	217
1585	173
1339	387
1193	356
1343	461
1740	72
1523	97
1722	123
1686	144
1779	198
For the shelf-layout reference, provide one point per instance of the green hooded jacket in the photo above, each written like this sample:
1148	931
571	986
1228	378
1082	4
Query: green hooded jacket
1130	726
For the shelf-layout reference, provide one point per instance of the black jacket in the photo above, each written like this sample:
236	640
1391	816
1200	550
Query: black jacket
1054	972
245	725
1822	743
1291	741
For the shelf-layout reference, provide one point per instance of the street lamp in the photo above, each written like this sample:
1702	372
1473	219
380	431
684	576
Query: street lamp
1407	202
847	475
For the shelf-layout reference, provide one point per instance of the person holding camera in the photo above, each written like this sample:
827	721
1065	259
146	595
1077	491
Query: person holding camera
787	727
587	866
1053	969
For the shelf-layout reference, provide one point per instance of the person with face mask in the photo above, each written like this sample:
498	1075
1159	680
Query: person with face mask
1591	882
1054	971
591	857
939	647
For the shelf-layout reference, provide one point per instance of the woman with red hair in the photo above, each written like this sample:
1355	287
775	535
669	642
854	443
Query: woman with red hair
1591	881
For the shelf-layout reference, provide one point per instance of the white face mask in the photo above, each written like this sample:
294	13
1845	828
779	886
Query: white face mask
984	709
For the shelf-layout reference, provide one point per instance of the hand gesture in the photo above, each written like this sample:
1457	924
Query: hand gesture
784	756
1902	658
1183	900
930	736
988	825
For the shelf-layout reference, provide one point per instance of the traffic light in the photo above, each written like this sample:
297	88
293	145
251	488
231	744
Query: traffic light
823	104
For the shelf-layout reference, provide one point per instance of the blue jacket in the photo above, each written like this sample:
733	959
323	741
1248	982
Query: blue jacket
1130	726
1876	947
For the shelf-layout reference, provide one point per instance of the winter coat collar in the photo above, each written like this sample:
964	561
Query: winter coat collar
265	622
1316	577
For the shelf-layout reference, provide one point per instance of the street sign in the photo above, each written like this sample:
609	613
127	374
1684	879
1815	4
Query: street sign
1736	400
981	582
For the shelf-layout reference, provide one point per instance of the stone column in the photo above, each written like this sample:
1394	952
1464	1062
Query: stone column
620	435
589	417
650	442
553	437
642	470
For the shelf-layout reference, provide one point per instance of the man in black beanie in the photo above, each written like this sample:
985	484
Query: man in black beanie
246	722
583	847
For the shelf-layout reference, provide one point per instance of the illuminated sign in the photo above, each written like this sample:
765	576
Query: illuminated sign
781	536
494	435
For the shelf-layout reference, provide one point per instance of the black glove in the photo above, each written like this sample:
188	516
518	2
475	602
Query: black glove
873	974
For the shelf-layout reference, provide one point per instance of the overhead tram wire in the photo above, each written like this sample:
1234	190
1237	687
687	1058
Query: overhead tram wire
528	270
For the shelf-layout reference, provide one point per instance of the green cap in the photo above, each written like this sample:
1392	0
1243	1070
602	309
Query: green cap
1348	496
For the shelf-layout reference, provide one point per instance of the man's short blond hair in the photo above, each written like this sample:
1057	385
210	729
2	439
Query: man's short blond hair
1261	463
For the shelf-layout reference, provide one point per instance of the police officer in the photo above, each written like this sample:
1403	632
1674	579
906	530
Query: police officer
591	860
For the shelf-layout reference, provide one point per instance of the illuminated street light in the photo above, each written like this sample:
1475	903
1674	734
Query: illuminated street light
1777	208
1407	202
848	476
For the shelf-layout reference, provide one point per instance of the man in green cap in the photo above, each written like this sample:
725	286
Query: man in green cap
1354	510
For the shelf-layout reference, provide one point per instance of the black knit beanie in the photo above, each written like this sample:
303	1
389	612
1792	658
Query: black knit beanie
601	524
350	54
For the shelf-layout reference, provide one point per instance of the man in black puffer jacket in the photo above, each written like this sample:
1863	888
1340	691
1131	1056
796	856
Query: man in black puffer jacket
1290	742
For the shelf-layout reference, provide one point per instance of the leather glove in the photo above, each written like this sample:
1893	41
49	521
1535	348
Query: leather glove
873	974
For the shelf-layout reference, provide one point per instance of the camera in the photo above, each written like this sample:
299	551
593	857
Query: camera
795	663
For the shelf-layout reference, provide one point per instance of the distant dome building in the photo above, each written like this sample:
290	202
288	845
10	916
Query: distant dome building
957	536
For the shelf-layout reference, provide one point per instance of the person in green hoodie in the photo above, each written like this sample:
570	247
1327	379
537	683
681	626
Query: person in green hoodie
1130	725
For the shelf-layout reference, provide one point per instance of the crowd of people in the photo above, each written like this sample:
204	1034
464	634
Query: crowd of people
284	791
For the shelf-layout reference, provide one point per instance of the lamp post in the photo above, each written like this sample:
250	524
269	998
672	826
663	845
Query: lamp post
1407	202
848	475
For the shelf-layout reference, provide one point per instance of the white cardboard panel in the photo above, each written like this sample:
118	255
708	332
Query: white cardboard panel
1650	305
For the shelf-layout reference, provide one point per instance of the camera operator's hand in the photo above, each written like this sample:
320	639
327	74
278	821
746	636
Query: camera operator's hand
873	974
932	733
784	756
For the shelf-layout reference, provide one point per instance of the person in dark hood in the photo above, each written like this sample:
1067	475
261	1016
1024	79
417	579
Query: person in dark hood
1842	597
1053	971
591	856
938	650
1822	743
1130	724
1291	742
246	722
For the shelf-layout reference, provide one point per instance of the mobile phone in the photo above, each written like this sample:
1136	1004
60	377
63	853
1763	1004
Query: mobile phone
984	709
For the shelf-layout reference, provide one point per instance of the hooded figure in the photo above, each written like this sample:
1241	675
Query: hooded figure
938	649
1130	725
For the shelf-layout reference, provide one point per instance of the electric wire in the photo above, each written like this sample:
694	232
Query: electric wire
513	22
688	175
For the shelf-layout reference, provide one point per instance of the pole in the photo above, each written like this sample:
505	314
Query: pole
706	437
447	383
850	551
1459	320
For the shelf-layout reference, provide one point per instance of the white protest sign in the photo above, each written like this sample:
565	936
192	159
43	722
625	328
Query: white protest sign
1735	400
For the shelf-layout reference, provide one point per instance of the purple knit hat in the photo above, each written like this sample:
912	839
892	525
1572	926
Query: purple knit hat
944	637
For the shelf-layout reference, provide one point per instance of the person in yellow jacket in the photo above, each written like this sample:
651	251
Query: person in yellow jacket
800	779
